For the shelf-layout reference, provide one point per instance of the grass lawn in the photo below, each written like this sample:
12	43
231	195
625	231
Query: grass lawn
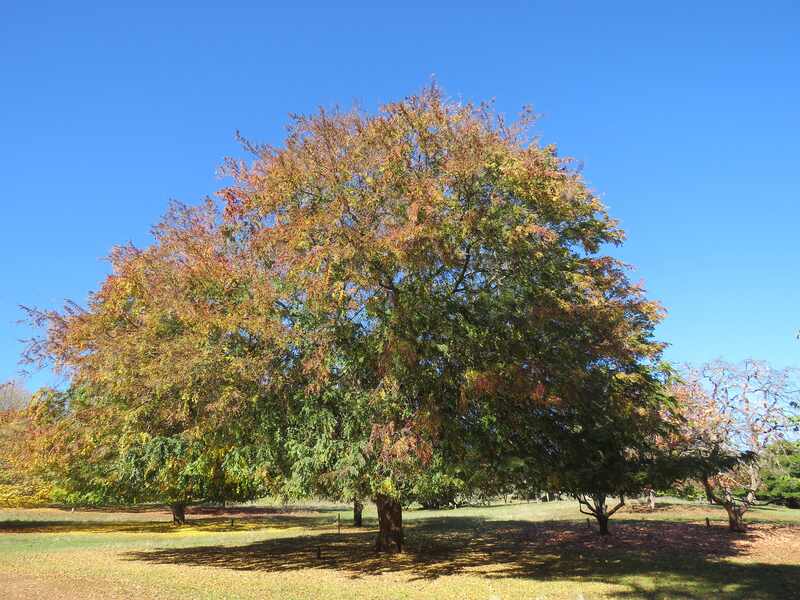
527	551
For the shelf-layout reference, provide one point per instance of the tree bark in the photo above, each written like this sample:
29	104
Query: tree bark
358	510
178	513
601	513
735	518
728	502
390	521
602	523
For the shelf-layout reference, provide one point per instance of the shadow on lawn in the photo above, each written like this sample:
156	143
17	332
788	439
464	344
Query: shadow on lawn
210	520
683	560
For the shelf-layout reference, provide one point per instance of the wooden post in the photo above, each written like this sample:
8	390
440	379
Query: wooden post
708	522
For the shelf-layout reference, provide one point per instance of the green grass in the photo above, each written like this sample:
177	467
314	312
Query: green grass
531	551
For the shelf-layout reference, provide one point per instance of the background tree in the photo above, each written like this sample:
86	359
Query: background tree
441	486
780	473
19	484
328	454
13	396
735	409
93	454
608	441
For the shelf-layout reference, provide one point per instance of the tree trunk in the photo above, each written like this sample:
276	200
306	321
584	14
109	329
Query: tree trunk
602	522
358	509
735	518
390	521
651	499
601	513
178	513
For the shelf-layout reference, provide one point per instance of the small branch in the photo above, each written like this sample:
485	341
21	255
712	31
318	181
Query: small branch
460	279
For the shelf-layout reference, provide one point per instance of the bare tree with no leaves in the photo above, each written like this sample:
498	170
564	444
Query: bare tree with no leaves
13	396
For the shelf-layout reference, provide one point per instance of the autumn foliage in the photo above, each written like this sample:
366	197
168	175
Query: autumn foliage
381	293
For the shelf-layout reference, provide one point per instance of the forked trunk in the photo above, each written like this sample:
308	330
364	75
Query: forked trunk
729	503
358	510
597	507
735	518
390	521
178	513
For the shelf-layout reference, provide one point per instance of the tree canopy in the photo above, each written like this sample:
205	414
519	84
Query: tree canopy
381	291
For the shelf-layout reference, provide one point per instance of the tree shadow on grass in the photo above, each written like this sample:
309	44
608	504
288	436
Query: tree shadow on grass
211	521
657	560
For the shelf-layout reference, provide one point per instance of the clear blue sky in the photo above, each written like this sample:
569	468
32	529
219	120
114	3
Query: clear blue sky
686	116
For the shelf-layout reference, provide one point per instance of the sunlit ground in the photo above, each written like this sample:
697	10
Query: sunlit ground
502	551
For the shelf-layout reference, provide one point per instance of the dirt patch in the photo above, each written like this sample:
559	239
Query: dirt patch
658	538
663	508
34	588
770	543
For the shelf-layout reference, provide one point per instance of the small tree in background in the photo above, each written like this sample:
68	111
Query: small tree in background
440	486
735	409
95	455
328	454
780	473
609	441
